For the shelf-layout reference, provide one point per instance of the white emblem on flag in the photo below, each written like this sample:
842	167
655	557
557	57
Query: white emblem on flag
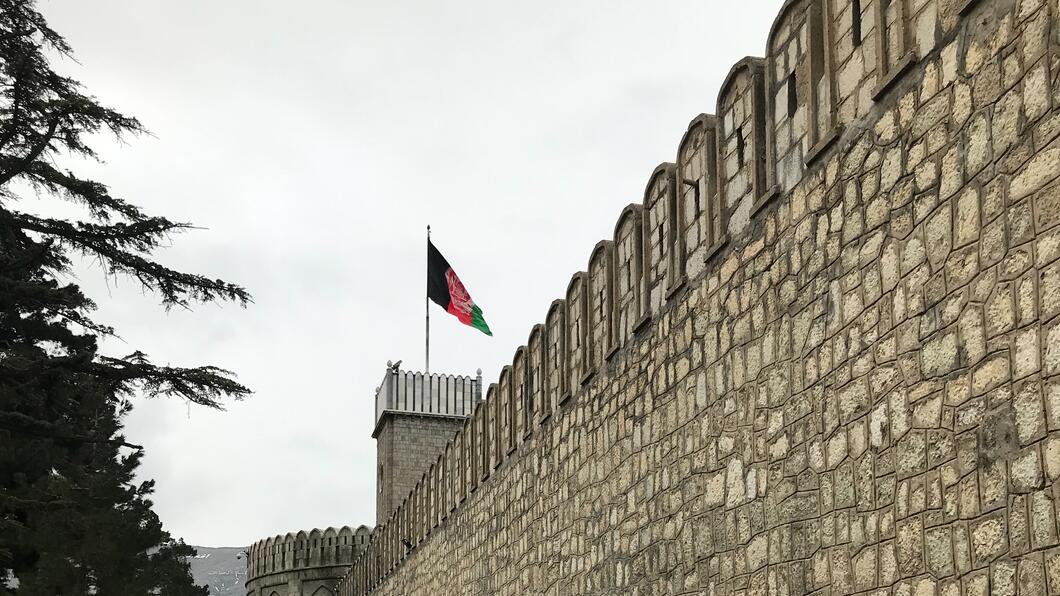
460	301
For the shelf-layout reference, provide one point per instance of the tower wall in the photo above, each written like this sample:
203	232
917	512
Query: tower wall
406	446
417	415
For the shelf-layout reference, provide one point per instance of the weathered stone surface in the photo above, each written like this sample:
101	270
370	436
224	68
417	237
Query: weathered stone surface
875	349
1026	471
989	539
1041	169
940	355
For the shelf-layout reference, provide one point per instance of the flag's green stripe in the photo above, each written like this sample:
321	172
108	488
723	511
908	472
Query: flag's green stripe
478	322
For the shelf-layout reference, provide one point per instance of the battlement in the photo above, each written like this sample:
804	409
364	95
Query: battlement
429	394
789	292
305	550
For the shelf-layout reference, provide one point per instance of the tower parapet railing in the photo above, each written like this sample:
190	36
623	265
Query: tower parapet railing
426	393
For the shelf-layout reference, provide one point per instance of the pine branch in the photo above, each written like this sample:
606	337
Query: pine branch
22	424
20	165
11	127
7	500
114	244
91	194
203	385
141	235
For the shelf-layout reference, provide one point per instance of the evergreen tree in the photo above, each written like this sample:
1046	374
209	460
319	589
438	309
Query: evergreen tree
73	520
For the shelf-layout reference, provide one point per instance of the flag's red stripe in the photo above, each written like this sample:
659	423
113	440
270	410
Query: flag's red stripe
464	317
460	303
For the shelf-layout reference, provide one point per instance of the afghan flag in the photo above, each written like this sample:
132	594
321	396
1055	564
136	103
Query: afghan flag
446	290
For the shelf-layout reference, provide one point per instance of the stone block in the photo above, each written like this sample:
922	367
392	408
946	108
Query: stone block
1032	576
1026	471
909	546
1003	578
1035	174
1049	291
940	355
989	539
991	373
938	551
1051	364
1036	91
1047	208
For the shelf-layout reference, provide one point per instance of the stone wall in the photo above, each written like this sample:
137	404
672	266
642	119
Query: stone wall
822	356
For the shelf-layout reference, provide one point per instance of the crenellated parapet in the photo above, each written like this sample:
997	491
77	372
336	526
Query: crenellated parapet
317	557
798	113
427	394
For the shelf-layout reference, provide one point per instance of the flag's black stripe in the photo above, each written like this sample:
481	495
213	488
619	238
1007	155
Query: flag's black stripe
437	285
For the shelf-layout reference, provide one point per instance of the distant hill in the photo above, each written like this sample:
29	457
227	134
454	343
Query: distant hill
219	569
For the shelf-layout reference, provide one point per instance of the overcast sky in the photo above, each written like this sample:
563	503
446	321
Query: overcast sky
314	141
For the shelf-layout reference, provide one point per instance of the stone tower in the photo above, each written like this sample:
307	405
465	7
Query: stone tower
303	563
416	414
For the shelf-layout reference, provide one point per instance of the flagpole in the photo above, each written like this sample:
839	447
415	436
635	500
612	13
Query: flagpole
427	311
